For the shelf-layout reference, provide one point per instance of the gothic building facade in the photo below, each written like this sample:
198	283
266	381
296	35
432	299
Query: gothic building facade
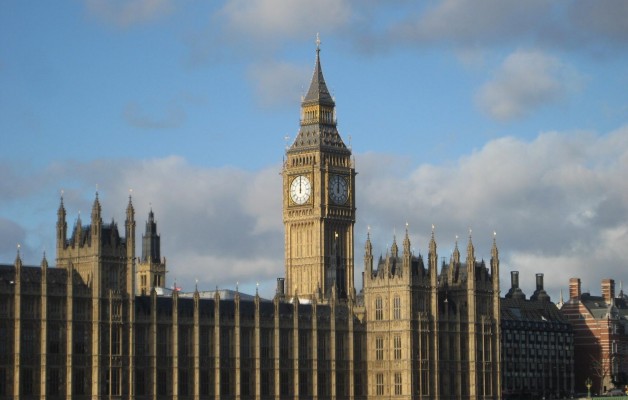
102	325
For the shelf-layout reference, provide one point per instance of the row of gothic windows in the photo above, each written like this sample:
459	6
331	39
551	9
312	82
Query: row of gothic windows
379	308
379	384
379	348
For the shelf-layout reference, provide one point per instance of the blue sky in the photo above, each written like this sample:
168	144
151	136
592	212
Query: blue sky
493	115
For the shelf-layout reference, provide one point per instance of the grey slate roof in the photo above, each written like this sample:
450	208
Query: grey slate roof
318	92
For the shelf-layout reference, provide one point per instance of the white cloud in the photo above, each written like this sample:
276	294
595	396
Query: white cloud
470	22
125	13
260	19
525	81
277	83
559	205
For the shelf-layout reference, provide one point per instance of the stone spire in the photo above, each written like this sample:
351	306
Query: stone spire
495	264
433	261
456	255
318	117
394	249
368	256
151	241
96	210
62	225
406	242
318	92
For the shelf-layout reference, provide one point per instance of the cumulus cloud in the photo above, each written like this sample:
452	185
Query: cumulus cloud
558	203
525	81
578	25
467	22
260	19
277	83
124	13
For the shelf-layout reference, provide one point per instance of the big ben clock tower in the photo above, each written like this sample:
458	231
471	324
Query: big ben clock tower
318	200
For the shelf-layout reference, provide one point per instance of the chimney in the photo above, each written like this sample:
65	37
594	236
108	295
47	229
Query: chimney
514	279
574	288
280	287
539	281
608	290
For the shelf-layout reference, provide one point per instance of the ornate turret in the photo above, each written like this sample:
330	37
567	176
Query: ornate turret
433	261
368	256
96	224
151	269
456	254
318	116
151	241
62	226
470	260
394	249
407	254
495	265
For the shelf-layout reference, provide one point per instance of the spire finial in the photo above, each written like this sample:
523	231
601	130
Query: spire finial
318	42
257	288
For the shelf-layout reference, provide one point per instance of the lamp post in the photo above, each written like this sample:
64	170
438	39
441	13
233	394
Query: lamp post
588	384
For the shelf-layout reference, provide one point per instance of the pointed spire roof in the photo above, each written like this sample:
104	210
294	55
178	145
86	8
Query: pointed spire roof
368	247
61	210
318	121
394	249
130	210
18	258
96	208
406	241
318	92
456	255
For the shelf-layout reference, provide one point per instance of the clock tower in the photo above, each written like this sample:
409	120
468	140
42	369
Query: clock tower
318	201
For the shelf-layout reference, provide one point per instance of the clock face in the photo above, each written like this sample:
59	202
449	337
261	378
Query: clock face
300	189
338	189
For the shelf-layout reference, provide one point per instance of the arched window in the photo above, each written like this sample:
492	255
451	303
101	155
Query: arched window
379	309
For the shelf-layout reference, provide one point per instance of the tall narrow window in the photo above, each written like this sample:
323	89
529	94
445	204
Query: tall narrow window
397	307
397	347
379	348
398	383
379	309
379	384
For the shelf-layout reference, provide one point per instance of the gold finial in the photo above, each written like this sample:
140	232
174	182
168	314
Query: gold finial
318	42
433	228
494	234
